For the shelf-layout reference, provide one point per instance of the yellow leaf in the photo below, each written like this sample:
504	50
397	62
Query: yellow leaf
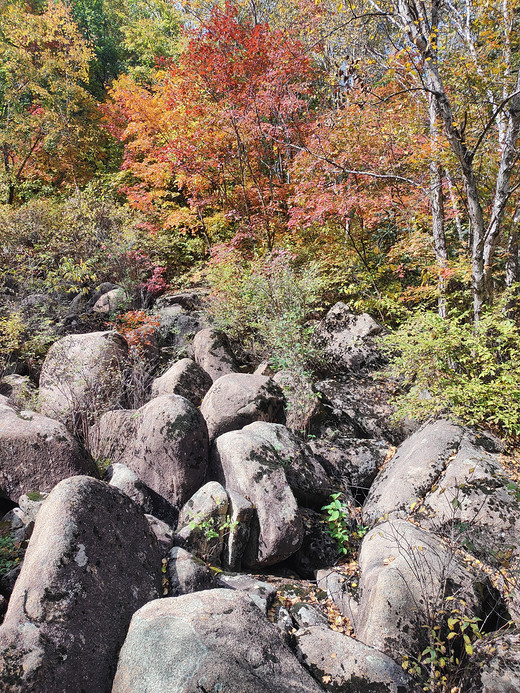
326	679
388	560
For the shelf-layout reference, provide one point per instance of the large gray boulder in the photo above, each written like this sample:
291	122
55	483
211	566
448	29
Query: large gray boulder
347	340
406	575
477	504
238	399
92	561
410	474
165	443
187	573
82	376
250	466
36	453
216	640
305	475
185	378
345	665
212	351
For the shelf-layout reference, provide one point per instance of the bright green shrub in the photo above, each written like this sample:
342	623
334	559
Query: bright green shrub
450	365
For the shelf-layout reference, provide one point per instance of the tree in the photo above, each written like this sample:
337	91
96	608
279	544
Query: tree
231	109
45	113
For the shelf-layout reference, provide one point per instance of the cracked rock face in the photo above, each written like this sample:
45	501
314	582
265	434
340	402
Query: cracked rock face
91	563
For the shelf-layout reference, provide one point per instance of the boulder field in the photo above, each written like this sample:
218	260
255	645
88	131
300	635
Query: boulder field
182	546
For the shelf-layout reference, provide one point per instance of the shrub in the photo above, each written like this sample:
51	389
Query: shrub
452	366
263	304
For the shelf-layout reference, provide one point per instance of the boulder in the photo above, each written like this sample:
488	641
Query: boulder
495	664
261	593
241	515
306	615
347	340
304	473
238	399
410	474
163	533
345	665
340	588
82	376
187	574
91	563
202	522
211	350
406	575
250	466
165	443
122	477
191	300
36	453
177	330
115	300
476	504
358	406
318	548
217	640
20	391
353	463
184	378
303	404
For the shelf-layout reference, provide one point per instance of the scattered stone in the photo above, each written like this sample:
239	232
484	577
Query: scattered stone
261	593
211	350
188	300
36	453
250	466
345	665
184	378
217	640
77	590
238	399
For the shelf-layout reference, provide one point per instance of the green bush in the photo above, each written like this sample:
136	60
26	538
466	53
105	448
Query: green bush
452	366
264	303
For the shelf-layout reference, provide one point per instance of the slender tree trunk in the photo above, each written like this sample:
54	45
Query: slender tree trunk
485	237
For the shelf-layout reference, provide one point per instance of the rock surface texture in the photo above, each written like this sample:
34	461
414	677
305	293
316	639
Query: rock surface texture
91	563
165	443
216	640
238	399
36	453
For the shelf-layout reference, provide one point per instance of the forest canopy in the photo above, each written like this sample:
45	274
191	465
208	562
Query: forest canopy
374	142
